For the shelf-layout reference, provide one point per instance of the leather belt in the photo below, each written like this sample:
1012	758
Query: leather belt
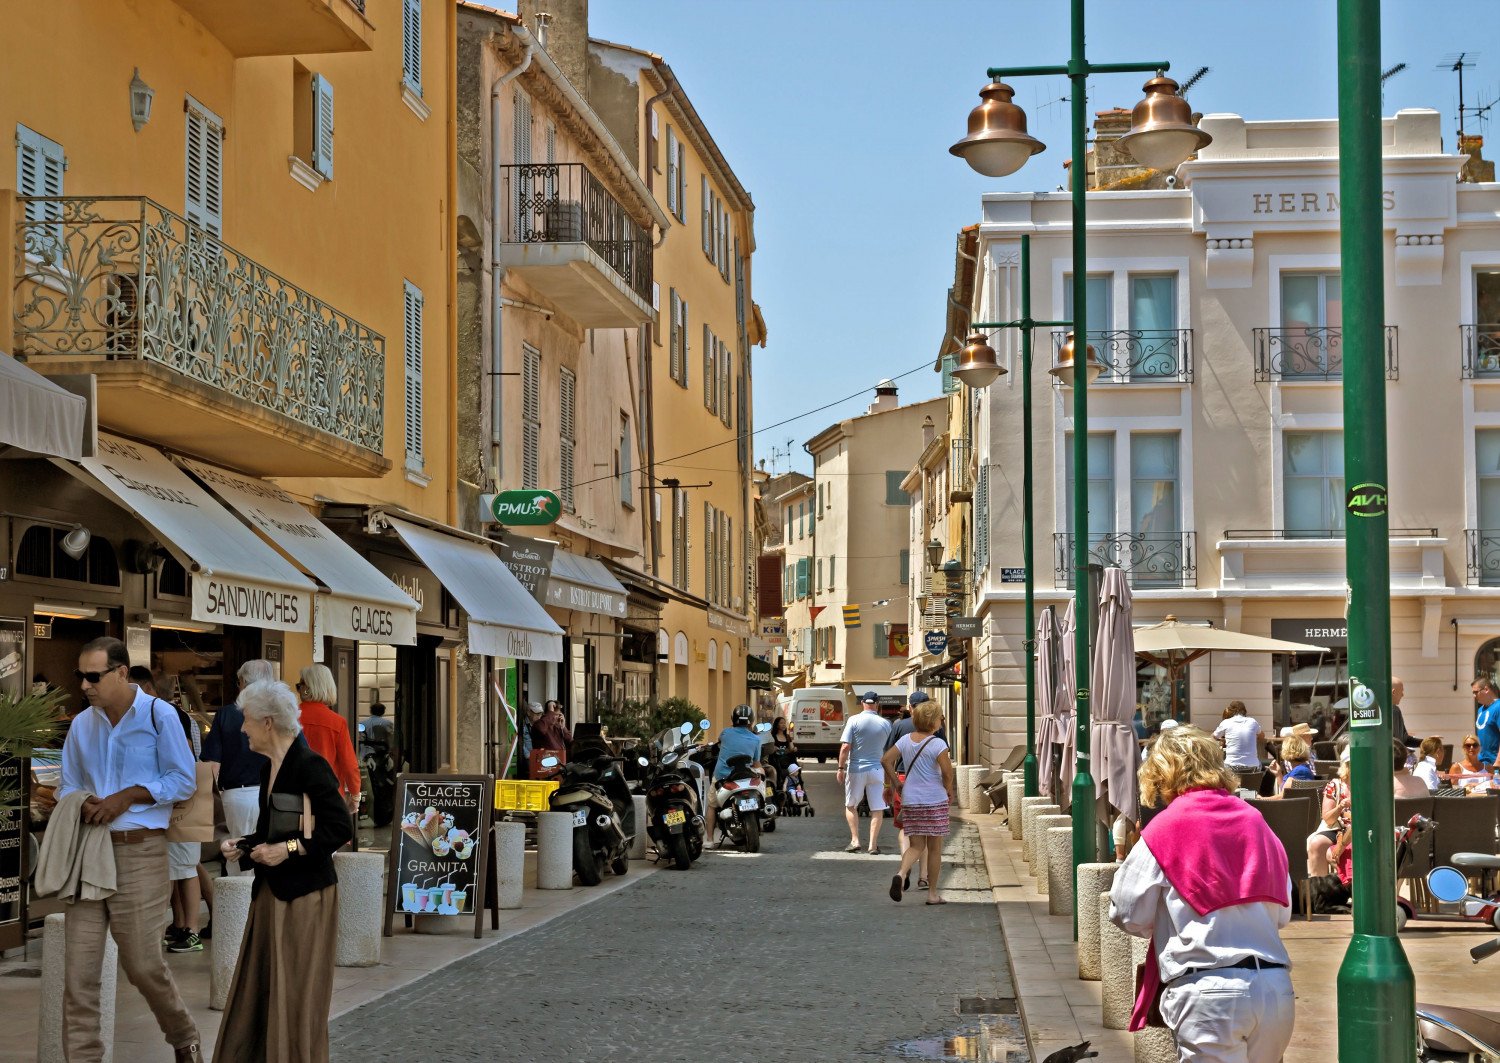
135	836
1251	962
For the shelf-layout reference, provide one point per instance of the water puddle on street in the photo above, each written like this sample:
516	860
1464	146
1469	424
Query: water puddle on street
989	1039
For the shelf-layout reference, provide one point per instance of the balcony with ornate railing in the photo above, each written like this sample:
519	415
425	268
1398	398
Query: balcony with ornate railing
1150	559
1138	356
1482	550
570	238
1480	351
960	475
1303	353
193	344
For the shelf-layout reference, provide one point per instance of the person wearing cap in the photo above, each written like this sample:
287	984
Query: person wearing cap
903	727
860	748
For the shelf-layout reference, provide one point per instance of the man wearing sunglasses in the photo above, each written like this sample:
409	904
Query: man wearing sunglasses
128	752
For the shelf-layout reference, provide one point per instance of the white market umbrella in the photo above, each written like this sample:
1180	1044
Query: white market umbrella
1064	738
1112	742
1046	696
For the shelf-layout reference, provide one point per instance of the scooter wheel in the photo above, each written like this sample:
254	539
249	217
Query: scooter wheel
677	845
621	864
1495	919
1403	913
769	825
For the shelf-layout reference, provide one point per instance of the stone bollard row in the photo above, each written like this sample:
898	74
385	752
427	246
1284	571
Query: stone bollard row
1031	808
1060	870
977	794
510	864
1041	870
1154	1044
49	1042
1093	880
1015	791
361	897
231	913
1117	971
638	843
554	850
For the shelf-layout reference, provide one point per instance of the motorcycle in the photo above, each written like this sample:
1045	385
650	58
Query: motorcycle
598	797
1445	1033
741	803
674	799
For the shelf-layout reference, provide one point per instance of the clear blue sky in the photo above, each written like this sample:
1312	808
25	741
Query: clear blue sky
837	115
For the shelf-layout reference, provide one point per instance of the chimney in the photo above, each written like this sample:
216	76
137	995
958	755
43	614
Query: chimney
885	397
562	28
929	430
1476	169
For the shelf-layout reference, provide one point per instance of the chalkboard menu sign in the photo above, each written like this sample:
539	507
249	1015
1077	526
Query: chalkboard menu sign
12	839
440	859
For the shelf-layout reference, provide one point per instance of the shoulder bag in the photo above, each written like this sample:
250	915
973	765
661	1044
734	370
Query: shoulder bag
192	817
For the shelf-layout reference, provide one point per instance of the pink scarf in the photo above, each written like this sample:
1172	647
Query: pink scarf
1216	851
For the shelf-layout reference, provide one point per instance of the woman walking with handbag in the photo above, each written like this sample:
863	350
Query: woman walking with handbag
925	796
278	1004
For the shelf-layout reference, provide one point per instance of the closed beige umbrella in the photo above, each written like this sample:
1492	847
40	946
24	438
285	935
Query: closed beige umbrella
1064	724
1046	694
1112	706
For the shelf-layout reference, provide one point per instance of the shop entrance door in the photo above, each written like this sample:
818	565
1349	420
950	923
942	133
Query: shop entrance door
416	703
345	667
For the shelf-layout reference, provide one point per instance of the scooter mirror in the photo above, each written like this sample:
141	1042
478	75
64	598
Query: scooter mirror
685	729
1447	884
704	724
642	761
762	728
549	762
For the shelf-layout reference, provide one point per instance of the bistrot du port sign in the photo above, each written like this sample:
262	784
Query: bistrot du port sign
521	508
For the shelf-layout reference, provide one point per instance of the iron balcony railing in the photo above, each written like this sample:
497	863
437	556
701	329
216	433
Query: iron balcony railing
1481	350
1150	559
960	477
1139	356
123	277
1482	548
564	203
1303	353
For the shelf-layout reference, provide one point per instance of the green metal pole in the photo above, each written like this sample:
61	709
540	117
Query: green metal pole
1084	850
1376	989
1029	765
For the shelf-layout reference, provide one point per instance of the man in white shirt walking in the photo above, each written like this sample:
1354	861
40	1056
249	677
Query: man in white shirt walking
860	748
1241	736
128	751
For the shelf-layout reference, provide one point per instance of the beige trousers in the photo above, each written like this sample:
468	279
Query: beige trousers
136	916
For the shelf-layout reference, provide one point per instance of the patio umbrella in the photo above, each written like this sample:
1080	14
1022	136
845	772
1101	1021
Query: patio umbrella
1112	734
1065	740
1046	686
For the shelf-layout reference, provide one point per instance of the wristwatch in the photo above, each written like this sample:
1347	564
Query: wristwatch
293	848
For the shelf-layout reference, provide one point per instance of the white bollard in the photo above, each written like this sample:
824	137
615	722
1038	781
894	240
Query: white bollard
361	898
231	913
49	1043
1015	790
510	863
638	843
554	850
1117	971
1030	814
1093	879
1060	870
1041	869
977	795
1154	1044
1029	802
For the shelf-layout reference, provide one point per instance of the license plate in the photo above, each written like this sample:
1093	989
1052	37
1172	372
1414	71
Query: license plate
675	817
748	804
581	818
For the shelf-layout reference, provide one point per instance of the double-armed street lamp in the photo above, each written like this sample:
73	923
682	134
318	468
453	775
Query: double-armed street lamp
1162	135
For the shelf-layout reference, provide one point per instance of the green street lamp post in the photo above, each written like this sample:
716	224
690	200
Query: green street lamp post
1376	990
1161	136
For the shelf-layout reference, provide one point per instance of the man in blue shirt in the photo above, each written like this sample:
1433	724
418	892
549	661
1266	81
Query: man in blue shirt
1487	719
860	748
236	768
737	740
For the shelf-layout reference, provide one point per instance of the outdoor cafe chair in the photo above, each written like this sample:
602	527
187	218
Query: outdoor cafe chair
1465	825
1418	854
1288	819
1312	789
1251	778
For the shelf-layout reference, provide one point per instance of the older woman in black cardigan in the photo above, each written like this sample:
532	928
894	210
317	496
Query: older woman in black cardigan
279	1001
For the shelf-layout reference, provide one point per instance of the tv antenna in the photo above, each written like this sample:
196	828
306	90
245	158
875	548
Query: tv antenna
1386	76
1198	76
1458	64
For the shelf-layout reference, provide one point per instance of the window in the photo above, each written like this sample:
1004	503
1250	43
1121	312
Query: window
788	524
40	164
411	45
413	362
711	553
204	201
1100	308
680	542
831	583
709	219
1313	484
1486	298
322	127
1311	314
531	417
672	199
723	255
802	573
710	371
1153	302
1101	492
1154	511
627	496
656	305
568	434
679	345
653	148
894	496
820	500
726	398
891	640
1487	462
904	560
981	522
820	574
802	520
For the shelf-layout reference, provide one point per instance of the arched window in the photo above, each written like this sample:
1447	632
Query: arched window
1487	661
713	655
680	648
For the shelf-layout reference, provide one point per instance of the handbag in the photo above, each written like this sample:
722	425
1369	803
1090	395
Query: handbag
192	818
1153	1013
288	816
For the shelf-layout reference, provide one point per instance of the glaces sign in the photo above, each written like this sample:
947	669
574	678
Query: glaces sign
521	508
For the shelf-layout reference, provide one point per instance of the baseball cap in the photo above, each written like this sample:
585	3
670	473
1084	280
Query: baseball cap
917	697
870	698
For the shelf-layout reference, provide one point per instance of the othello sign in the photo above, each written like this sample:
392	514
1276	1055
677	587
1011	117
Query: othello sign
518	508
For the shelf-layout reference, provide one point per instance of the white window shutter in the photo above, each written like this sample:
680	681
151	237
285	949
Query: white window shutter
672	175
982	522
204	199
708	223
682	310
674	348
413	361
521	133
567	413
411	45
531	416
322	159
708	554
709	379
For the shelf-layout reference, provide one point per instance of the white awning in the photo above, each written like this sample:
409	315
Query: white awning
360	603
38	416
237	578
583	583
504	619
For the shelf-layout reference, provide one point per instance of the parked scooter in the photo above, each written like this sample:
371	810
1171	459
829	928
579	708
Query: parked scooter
603	812
741	804
674	800
1466	1034
1471	907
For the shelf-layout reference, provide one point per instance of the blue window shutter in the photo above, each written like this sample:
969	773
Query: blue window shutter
322	159
411	45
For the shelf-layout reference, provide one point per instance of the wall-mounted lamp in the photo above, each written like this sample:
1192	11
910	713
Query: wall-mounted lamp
141	95
934	553
76	542
66	611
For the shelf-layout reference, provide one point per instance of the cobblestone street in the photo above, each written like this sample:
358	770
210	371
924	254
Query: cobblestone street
796	953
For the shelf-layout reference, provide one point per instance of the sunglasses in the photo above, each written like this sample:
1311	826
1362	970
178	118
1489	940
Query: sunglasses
94	677
1471	745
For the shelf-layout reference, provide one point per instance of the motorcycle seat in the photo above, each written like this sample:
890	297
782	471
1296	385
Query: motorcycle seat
1485	1025
1477	861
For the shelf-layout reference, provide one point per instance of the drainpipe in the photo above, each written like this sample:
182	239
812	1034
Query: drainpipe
497	272
812	569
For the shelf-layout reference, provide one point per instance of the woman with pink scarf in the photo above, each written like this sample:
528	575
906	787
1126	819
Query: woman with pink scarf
1208	886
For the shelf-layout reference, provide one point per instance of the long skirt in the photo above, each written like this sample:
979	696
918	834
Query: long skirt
278	1005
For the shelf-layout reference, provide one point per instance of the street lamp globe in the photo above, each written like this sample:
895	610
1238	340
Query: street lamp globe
977	365
934	553
1162	134
998	144
1066	358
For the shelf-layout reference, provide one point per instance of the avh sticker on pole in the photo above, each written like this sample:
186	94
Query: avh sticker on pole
520	508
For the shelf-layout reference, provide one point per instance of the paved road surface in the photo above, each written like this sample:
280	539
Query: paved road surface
796	953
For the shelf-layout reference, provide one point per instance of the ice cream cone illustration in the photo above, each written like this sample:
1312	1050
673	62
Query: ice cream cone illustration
432	825
411	826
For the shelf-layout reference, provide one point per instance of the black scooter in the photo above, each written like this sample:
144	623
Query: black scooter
674	800
598	797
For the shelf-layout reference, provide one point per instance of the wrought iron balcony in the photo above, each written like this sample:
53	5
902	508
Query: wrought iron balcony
1150	559
960	478
1138	356
155	306
1482	548
1302	353
565	233
1481	351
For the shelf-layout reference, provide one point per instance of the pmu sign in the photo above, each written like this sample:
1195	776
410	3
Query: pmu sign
520	508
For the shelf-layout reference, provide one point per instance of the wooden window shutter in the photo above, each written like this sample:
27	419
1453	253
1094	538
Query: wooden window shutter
568	438
708	220
709	590
674	349
531	417
673	196
322	159
521	132
682	310
411	45
413	363
204	200
710	380
40	164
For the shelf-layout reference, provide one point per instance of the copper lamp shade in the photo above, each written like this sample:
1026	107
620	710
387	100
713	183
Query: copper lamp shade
977	365
998	144
1066	358
1162	135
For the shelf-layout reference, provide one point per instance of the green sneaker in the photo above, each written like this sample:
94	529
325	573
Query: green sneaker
189	942
172	935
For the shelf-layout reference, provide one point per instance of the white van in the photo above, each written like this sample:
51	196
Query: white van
815	716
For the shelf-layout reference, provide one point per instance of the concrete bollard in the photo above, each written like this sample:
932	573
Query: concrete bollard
361	898
1116	969
1093	879
638	843
1041	870
1154	1044
977	794
49	1044
1060	870
231	913
510	863
961	774
1029	815
1015	790
1028	802
554	850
